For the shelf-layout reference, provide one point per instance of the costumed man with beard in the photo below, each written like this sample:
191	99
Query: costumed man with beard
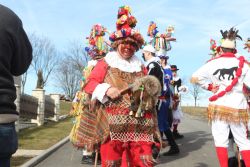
82	128
228	106
126	140
155	69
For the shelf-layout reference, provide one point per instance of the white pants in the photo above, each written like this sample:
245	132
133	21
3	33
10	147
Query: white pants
220	131
86	153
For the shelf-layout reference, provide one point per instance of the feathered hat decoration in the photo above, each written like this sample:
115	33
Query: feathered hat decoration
214	48
96	42
125	25
152	29
229	37
161	42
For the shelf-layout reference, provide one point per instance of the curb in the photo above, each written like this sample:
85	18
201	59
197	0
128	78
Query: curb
36	160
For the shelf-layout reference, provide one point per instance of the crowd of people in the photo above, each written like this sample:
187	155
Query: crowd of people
129	127
126	109
125	105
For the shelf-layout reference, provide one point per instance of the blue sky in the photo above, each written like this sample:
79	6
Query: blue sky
195	21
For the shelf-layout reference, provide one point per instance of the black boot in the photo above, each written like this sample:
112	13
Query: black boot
232	162
174	149
87	159
155	151
177	135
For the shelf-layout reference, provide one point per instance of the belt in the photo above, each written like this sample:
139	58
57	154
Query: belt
163	97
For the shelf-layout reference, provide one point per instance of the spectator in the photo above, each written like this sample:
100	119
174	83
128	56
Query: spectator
15	58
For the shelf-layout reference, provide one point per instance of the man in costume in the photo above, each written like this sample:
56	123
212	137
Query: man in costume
152	63
154	68
227	109
232	148
125	139
167	79
96	50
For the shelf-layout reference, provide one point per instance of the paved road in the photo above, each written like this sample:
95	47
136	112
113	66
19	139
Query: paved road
197	149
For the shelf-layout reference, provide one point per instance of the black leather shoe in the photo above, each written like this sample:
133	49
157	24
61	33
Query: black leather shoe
177	135
87	159
172	151
232	162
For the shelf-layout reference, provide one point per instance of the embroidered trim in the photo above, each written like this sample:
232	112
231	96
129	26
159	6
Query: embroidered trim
113	163
126	137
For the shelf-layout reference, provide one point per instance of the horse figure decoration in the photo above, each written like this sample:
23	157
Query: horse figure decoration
224	71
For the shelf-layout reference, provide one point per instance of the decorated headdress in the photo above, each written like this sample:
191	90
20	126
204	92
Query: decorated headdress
247	45
214	48
161	42
229	38
125	31
97	47
152	29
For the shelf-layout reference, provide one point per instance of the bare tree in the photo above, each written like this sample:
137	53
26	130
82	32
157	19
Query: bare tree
69	72
68	78
45	58
196	92
78	57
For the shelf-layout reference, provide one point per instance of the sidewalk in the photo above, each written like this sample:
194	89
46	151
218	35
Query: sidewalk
28	153
197	149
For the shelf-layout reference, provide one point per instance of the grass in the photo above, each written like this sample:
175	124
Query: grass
18	161
43	137
65	107
195	111
40	138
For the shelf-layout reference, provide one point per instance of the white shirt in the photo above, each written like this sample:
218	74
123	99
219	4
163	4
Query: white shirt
219	72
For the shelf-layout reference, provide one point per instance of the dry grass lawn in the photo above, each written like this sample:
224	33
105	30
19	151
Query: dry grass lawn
196	111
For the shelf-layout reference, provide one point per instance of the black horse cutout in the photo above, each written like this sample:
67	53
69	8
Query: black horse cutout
224	71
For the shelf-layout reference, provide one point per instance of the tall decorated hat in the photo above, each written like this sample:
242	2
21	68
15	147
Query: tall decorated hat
97	47
161	42
125	32
229	38
214	48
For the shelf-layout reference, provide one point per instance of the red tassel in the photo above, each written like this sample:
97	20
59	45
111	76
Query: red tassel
234	82
239	72
210	87
222	93
213	98
229	88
